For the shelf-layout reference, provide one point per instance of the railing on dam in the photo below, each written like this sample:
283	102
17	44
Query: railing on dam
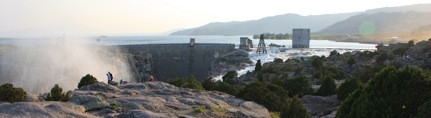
322	47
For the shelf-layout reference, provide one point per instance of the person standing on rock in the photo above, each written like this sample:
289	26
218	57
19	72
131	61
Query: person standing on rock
109	78
151	79
110	74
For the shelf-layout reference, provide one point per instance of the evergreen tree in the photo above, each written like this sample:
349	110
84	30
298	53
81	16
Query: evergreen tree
230	77
188	82
294	109
298	86
395	93
351	61
348	87
316	61
270	96
58	95
11	94
87	80
424	111
328	88
209	84
227	88
333	53
258	66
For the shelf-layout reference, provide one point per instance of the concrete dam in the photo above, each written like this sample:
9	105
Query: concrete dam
168	61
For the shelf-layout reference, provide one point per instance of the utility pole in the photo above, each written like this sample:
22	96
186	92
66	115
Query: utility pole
261	47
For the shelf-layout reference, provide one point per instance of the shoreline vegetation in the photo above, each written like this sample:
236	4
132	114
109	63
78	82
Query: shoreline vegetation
275	36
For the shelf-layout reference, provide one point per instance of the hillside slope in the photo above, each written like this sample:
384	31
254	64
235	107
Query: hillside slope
405	25
275	24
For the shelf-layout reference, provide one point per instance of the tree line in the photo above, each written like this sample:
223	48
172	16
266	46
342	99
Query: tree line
273	36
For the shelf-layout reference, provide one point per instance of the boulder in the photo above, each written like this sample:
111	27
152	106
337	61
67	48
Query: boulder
100	86
89	102
42	110
320	106
30	97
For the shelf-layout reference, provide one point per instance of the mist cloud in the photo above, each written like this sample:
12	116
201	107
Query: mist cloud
38	67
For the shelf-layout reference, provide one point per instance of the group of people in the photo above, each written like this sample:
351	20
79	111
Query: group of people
110	78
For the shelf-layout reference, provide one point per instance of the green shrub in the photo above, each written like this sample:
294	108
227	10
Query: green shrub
57	94
348	87
227	88
424	110
278	60
11	94
274	114
265	94
258	66
351	61
298	86
188	82
294	109
200	109
328	88
230	77
209	84
87	80
334	53
316	61
393	93
382	57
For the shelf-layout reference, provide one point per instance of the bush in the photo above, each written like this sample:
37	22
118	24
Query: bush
328	88
299	86
382	57
227	88
351	61
333	53
87	80
11	94
209	84
400	51
270	96
200	109
294	109
390	93
230	77
424	110
258	66
278	60
316	61
57	94
348	87
188	82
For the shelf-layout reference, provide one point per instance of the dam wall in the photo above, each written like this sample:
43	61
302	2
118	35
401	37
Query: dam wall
168	61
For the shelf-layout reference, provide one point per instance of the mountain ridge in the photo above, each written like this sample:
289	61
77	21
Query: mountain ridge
286	22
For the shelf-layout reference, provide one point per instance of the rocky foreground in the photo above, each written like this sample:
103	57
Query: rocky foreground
148	100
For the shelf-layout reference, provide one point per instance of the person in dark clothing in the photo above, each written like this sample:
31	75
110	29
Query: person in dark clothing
110	74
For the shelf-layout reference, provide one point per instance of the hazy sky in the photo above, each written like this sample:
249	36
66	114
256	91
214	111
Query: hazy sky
39	18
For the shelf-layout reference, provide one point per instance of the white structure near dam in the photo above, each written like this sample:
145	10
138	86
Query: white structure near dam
301	38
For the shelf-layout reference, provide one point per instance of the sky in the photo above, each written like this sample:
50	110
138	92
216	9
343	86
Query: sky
47	18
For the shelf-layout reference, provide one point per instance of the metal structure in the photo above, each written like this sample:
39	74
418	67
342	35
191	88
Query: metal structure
261	47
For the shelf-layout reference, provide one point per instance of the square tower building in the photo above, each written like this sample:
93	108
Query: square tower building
301	38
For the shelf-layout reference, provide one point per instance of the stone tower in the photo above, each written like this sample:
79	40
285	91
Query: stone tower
301	38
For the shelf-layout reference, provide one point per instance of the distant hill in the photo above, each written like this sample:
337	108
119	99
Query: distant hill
383	22
345	23
274	24
405	25
407	8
